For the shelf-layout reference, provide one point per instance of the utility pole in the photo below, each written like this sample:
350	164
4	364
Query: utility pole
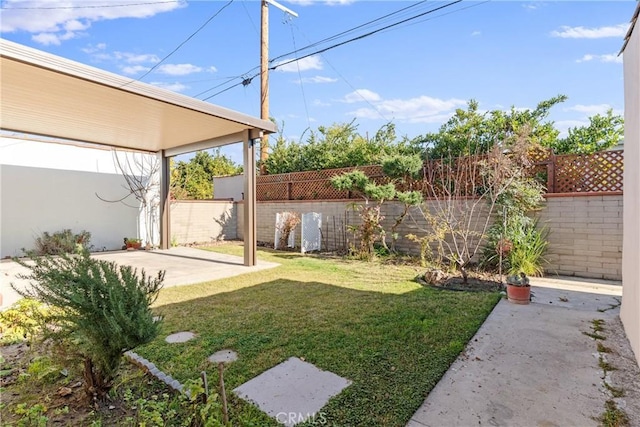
264	72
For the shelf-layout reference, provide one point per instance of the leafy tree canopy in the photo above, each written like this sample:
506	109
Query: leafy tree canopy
473	131
194	179
339	145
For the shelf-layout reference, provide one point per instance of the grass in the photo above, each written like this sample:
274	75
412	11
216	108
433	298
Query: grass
366	322
613	416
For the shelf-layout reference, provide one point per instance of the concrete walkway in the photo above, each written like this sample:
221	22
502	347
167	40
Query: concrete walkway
529	365
183	266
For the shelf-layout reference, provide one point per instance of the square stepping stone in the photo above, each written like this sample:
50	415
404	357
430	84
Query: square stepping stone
292	391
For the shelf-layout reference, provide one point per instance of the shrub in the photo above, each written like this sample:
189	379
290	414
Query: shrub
104	309
62	242
21	321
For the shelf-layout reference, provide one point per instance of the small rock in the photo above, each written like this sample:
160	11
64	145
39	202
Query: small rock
434	276
112	407
76	385
65	391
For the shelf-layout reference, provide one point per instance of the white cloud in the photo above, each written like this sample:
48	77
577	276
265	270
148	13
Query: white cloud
422	109
610	57
590	109
320	103
567	32
476	33
91	49
305	64
178	69
175	87
212	69
136	58
134	69
46	39
52	26
361	95
317	79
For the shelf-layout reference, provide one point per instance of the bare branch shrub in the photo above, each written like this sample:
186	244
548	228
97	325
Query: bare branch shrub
462	194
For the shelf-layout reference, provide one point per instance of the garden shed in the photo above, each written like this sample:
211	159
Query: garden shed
50	96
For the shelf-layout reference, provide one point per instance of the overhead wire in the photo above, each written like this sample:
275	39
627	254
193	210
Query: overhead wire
304	97
370	33
105	6
247	80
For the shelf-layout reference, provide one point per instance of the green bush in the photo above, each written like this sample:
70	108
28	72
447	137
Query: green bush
527	253
21	321
102	308
62	242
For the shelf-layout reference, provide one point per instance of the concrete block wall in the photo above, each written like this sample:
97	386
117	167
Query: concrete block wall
585	231
203	221
585	235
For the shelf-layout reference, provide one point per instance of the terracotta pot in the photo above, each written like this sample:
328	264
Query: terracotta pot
519	294
134	245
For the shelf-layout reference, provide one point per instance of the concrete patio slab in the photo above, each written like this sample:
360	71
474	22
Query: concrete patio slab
292	391
528	365
183	266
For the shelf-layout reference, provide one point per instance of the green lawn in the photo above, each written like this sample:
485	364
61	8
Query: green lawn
367	322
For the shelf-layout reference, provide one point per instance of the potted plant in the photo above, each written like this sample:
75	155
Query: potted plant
518	289
132	243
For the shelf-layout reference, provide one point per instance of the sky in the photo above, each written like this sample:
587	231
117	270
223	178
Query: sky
500	53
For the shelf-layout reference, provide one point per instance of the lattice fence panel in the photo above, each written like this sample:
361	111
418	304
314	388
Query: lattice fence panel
272	191
598	172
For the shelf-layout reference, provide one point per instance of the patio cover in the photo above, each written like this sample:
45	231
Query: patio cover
44	94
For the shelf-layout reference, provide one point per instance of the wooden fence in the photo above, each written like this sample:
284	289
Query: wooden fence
572	173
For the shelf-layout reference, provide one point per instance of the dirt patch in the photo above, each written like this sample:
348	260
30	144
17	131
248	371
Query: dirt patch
63	395
477	282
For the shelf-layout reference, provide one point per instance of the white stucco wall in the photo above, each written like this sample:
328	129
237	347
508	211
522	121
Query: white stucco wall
630	310
50	187
228	187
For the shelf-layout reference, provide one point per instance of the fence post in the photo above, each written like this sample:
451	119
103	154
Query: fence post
289	185
551	173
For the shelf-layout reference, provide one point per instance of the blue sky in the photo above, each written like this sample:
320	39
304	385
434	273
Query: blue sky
501	53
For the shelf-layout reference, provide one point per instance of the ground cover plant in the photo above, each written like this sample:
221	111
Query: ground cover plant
368	322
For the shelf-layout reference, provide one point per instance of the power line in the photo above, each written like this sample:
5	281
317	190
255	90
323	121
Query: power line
335	36
366	34
304	97
105	6
247	80
187	39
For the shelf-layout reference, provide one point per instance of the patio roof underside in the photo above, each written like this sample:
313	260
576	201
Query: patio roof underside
47	95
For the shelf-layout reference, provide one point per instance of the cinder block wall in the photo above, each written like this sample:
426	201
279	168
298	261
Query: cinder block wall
203	221
585	231
585	235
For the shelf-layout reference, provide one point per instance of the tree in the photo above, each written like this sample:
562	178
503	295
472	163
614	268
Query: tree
471	131
336	146
463	194
403	170
602	132
101	308
141	173
370	229
194	179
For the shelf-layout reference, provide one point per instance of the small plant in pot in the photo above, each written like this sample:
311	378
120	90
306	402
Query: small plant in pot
132	243
518	289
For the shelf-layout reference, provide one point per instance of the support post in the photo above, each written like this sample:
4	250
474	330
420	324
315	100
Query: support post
264	80
250	245
165	221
